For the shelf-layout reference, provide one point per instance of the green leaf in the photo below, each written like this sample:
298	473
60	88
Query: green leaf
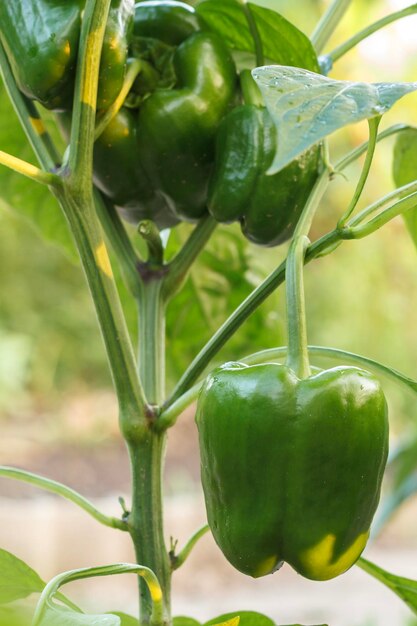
247	618
405	171
282	42
128	620
23	196
306	107
181	620
405	588
55	615
17	580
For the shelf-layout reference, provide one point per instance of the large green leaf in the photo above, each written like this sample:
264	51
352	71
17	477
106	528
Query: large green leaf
27	198
306	107
405	588
405	171
17	580
282	42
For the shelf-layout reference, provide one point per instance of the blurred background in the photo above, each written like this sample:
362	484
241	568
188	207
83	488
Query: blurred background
58	415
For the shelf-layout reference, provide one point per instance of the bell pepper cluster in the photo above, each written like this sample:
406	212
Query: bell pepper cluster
187	141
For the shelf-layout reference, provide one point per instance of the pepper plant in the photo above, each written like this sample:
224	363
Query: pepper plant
218	113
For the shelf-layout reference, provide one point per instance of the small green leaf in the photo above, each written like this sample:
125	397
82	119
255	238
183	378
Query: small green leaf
128	620
181	620
306	107
27	198
17	580
405	171
282	42
247	618
405	588
55	615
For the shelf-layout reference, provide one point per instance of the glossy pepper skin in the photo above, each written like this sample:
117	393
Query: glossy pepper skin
41	40
121	177
291	468
267	207
177	127
166	144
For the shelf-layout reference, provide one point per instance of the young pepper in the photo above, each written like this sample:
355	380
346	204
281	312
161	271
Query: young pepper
267	207
41	40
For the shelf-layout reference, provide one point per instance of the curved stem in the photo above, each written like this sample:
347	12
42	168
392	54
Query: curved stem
30	171
373	134
177	270
169	417
62	490
56	583
361	231
104	119
179	559
345	47
253	28
399	193
355	154
149	232
328	23
337	355
85	99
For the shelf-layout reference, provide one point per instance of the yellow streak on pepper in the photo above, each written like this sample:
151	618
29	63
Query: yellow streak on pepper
318	562
266	567
102	260
38	125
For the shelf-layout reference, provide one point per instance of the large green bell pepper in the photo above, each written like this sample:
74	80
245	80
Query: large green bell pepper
291	468
41	40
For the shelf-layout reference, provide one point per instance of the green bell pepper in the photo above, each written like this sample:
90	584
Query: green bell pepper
41	40
291	468
161	168
267	207
177	127
121	177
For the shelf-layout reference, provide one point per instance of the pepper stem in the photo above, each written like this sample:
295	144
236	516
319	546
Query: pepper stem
250	90
297	358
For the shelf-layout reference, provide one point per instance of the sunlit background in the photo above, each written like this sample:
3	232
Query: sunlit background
58	414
